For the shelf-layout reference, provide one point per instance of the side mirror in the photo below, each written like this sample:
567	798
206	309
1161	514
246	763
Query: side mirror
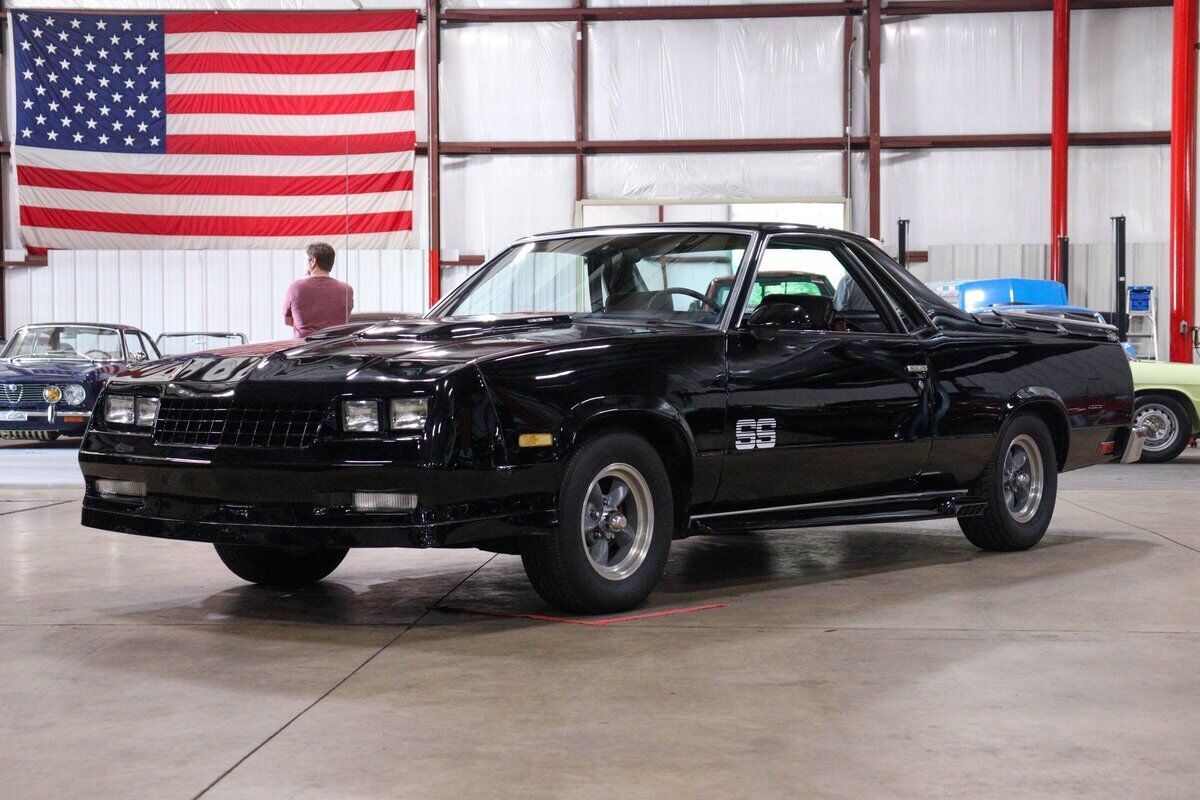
140	357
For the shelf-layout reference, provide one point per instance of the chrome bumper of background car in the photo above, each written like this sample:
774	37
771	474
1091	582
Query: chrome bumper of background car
1133	447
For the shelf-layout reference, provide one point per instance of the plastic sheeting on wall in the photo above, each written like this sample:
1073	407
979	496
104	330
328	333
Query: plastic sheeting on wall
991	73
1103	182
488	201
715	175
966	73
1121	69
213	5
508	82
699	79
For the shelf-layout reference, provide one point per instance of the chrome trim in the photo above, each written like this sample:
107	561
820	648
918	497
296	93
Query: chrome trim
1017	312
861	501
918	369
126	457
1133	447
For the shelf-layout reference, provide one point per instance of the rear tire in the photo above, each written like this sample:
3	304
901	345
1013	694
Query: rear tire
616	519
1169	427
280	567
1018	486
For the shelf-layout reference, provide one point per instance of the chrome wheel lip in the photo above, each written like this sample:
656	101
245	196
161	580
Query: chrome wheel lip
1161	426
617	551
1023	479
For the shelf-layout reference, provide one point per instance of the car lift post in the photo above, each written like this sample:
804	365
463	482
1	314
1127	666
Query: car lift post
902	241
1121	317
1064	256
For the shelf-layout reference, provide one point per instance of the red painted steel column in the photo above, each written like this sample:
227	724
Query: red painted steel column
1183	182
1059	106
433	40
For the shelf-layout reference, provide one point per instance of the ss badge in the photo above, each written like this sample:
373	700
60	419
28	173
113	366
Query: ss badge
754	433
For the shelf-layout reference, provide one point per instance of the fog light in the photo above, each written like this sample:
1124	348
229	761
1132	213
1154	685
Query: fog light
384	501
123	490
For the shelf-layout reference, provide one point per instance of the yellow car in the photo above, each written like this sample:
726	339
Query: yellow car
1167	403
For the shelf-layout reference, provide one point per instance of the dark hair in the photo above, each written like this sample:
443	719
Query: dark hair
323	254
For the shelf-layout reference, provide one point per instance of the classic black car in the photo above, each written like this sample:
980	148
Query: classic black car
51	374
582	402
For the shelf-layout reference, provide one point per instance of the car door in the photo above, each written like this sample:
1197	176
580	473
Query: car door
823	414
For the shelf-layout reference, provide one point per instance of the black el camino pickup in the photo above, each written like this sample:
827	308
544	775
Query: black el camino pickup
583	400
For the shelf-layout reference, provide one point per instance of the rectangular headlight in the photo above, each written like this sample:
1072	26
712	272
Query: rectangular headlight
409	413
146	411
360	416
118	409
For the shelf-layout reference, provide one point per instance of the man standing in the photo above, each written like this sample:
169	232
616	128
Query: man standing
317	301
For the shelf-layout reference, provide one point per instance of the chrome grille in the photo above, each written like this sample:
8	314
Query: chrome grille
238	423
22	392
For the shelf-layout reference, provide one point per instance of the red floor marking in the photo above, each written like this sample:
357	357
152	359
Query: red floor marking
595	623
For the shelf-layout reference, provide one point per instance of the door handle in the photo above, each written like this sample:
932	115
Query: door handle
918	369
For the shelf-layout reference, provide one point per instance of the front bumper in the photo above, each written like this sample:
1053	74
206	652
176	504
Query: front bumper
72	422
310	505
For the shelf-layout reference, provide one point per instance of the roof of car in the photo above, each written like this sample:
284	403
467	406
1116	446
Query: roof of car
114	325
764	227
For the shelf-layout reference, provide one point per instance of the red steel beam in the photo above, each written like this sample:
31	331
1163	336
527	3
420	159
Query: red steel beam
433	151
618	13
906	8
581	109
1059	106
874	138
811	144
1183	182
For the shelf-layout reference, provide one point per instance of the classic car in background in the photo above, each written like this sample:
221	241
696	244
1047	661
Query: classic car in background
178	344
51	374
1167	404
583	400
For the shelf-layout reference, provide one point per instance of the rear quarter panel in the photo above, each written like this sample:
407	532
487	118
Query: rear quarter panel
983	376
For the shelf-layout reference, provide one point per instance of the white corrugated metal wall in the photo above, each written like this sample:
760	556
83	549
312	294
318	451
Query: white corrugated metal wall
198	290
942	74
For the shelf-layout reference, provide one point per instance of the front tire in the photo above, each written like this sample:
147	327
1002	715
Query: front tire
280	567
616	518
1018	486
1168	427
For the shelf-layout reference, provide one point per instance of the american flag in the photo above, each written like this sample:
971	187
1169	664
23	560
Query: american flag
214	130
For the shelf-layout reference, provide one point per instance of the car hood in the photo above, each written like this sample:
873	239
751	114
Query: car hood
54	370
373	351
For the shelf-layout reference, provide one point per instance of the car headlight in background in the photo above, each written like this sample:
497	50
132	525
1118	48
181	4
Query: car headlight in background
141	412
360	416
74	394
409	413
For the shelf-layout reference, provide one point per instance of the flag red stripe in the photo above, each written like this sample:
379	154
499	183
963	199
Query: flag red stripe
234	144
171	225
367	103
252	185
293	22
291	63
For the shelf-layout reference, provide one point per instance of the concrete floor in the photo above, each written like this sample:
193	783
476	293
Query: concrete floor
890	661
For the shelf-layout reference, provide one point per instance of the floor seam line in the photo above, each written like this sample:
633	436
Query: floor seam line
339	684
35	508
1134	525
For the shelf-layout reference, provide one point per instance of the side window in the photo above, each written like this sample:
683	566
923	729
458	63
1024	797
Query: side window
134	346
148	346
905	309
797	268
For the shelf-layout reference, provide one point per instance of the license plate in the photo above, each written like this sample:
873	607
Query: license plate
14	416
